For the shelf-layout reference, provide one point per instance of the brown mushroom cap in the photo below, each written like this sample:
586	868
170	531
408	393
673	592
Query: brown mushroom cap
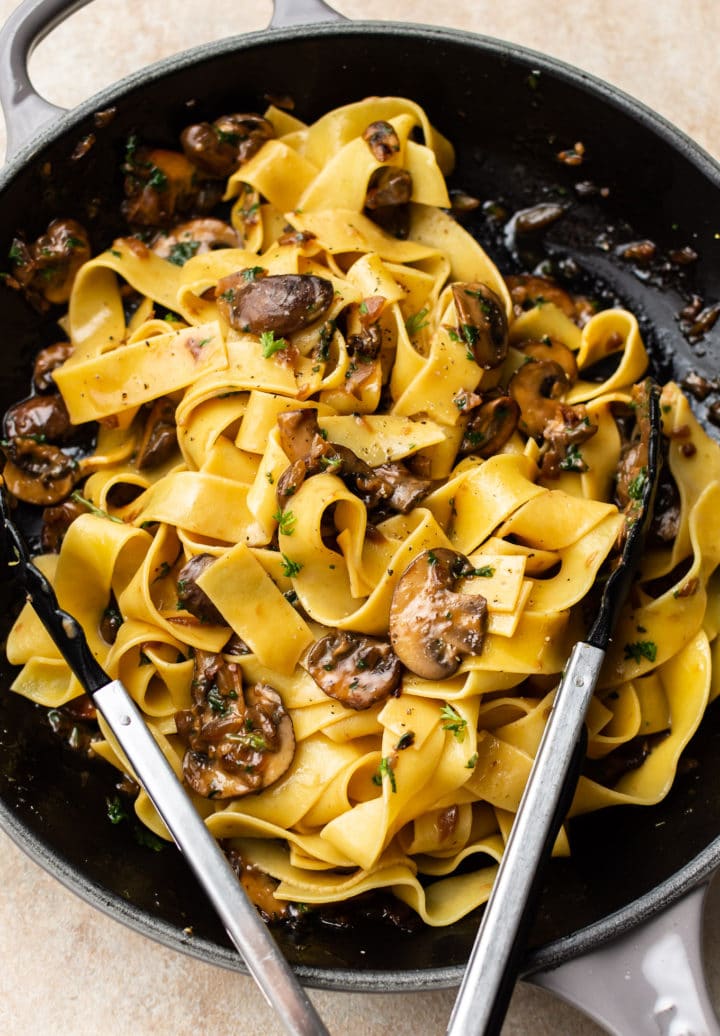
431	625
528	289
217	149
281	303
537	387
490	426
382	140
388	186
191	597
356	670
482	322
47	361
159	440
44	417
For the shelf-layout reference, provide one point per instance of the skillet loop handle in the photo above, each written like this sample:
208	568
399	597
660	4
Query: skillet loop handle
649	982
24	109
303	12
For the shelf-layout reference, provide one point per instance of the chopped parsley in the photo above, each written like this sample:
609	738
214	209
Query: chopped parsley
472	762
636	488
415	323
270	344
385	769
485	571
182	251
363	308
253	272
640	649
15	252
290	568
157	179
453	721
148	838
573	459
432	558
216	701
115	810
286	522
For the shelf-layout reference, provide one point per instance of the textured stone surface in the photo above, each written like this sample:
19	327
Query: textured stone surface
67	969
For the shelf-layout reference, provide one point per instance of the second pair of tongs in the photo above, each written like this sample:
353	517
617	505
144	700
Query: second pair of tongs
247	931
493	966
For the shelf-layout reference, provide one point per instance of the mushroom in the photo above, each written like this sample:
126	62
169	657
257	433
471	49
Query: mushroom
632	466
46	362
386	202
195	237
431	625
490	426
159	440
382	140
537	387
39	417
218	148
191	597
238	740
45	270
551	349
482	323
259	887
358	671
563	433
281	303
390	486
161	184
56	522
38	473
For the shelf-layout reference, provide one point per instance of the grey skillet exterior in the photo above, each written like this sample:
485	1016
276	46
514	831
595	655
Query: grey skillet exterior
639	924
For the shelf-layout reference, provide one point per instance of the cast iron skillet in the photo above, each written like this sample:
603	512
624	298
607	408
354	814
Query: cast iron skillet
508	111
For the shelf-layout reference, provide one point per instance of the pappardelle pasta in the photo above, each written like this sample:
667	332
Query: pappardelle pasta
349	498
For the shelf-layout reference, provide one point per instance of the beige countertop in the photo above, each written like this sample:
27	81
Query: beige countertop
67	969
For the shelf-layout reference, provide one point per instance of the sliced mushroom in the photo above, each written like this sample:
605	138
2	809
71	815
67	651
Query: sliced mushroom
632	467
387	199
298	429
39	417
239	741
392	486
537	388
218	148
563	434
356	670
482	323
281	303
195	237
382	140
159	440
490	426
46	362
191	597
259	887
46	269
431	625
111	621
552	349
38	473
160	185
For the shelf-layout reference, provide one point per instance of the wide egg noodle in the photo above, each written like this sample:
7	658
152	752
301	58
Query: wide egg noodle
410	792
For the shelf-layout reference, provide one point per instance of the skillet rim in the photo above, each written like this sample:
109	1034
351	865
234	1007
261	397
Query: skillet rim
552	954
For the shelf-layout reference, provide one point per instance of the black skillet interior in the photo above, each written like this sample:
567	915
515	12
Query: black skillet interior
508	113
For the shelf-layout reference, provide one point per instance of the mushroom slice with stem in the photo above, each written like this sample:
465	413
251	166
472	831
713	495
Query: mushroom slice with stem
238	740
195	237
358	671
159	439
281	303
38	473
432	625
45	270
218	148
482	323
537	387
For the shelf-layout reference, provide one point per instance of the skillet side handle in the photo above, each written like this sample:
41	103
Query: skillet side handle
24	109
303	12
646	983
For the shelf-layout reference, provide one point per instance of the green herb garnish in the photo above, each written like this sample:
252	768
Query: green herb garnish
640	649
270	344
97	511
115	810
385	769
453	721
417	322
182	251
290	568
286	522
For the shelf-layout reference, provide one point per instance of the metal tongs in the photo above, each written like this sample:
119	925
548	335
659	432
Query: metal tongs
247	931
493	966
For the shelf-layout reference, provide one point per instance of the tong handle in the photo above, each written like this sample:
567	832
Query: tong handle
490	975
242	922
